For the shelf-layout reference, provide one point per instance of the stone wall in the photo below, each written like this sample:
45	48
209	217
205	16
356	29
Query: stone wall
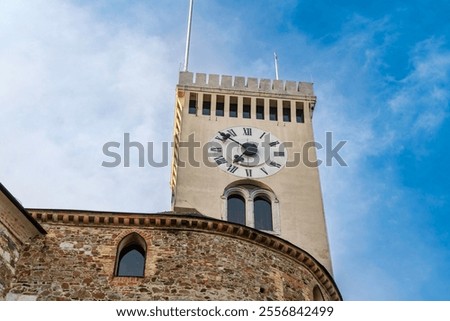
16	228
9	255
188	258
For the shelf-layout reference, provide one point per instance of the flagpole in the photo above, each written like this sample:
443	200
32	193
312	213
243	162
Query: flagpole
275	57
188	36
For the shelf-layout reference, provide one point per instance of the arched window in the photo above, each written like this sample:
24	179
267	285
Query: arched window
253	204
263	214
131	254
317	294
236	209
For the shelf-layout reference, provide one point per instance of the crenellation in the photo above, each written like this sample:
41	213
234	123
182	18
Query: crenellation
186	78
265	85
305	89
239	82
278	85
227	82
200	79
214	80
250	84
291	86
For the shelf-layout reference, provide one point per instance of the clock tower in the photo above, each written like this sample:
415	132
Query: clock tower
244	152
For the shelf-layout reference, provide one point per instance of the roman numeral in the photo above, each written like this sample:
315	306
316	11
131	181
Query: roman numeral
262	135
274	164
264	170
275	143
248	172
216	149
247	131
278	154
231	132
220	160
232	168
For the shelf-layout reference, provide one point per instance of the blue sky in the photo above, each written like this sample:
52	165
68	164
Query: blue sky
77	74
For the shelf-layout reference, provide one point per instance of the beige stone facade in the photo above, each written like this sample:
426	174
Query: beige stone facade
297	202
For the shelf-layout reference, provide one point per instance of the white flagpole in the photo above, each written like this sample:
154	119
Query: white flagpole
276	65
188	36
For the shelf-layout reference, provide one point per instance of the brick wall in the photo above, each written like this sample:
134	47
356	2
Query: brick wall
76	262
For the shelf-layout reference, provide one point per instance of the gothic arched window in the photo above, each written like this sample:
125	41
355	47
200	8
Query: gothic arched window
236	209
262	211
131	254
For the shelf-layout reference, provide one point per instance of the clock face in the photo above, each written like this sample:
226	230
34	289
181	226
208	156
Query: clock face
247	152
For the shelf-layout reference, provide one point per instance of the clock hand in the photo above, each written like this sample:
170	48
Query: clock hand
228	136
238	158
250	149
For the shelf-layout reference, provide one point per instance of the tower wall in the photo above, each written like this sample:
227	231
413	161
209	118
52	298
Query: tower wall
199	185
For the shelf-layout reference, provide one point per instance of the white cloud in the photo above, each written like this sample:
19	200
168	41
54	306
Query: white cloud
69	84
422	98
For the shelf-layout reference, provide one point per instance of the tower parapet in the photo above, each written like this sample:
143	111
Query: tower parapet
249	84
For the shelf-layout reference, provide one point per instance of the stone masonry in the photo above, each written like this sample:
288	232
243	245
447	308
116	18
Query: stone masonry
17	228
189	257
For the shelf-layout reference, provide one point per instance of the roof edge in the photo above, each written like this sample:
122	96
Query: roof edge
19	206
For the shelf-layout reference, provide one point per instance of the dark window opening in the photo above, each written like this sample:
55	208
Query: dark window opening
233	107
263	214
233	110
236	209
220	106
131	261
193	104
259	112
220	111
259	109
286	111
206	110
299	116
273	110
273	113
286	114
246	108
246	111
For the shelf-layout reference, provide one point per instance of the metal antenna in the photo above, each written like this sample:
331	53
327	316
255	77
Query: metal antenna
188	36
275	57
